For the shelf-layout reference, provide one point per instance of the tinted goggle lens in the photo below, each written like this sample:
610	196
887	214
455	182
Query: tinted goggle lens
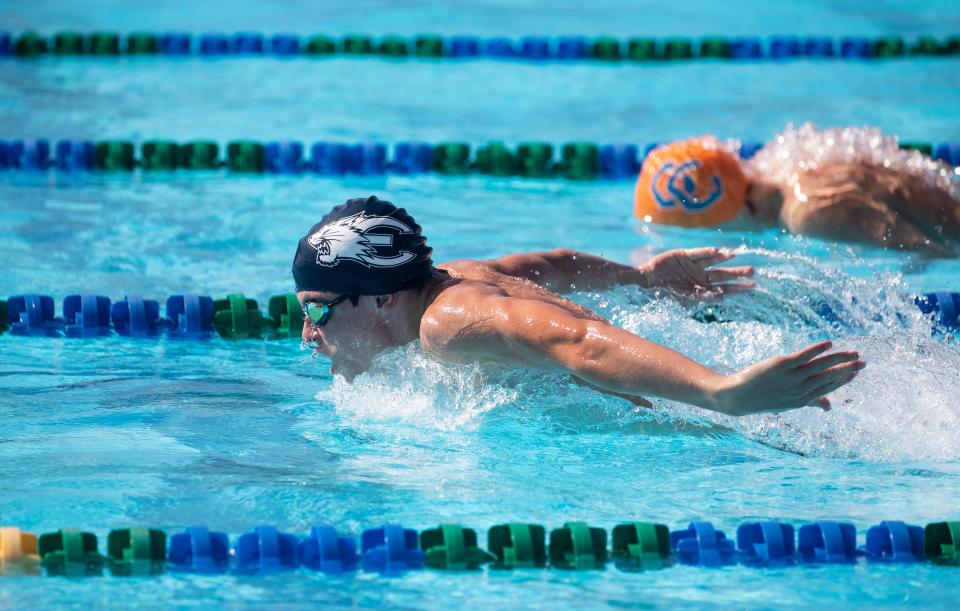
317	313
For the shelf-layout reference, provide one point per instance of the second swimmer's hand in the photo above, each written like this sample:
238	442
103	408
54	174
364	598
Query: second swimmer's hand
687	272
787	382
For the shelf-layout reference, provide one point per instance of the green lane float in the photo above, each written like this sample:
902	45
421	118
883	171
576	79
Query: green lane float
320	45
114	155
451	546
941	542
577	546
892	46
137	551
715	47
141	43
641	545
495	159
286	314
535	159
579	161
104	43
237	317
30	44
357	45
68	43
642	49
428	46
518	546
160	155
393	46
70	552
606	49
200	155
678	48
245	156
451	158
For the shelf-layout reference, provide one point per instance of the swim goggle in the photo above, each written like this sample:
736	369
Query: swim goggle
318	313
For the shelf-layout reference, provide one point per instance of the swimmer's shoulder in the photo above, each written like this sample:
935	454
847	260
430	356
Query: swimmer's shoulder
458	314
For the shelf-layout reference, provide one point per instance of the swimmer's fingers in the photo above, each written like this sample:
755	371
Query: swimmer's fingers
800	357
709	255
834	373
821	402
815	366
722	274
818	398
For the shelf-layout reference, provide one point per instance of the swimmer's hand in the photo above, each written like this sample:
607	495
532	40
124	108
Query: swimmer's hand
685	272
787	382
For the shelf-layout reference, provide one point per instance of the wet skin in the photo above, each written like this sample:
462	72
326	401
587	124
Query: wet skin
505	311
858	202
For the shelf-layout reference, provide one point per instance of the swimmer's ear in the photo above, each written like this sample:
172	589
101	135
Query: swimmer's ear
390	301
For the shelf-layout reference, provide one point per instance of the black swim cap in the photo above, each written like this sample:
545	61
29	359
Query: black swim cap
363	247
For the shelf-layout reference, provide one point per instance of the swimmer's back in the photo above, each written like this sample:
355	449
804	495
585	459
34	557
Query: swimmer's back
872	204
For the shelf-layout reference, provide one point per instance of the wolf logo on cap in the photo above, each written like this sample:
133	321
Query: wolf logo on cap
350	238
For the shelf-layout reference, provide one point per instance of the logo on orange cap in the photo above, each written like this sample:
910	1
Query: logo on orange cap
692	183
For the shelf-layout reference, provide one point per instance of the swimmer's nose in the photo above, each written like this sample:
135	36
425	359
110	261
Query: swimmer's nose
315	337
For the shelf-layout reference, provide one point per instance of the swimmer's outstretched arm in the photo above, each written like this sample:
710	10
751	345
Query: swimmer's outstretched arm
540	335
685	271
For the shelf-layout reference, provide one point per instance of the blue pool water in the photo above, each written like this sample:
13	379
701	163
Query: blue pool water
111	432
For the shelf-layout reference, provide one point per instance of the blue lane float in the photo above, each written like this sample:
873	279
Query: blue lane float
191	316
766	543
702	545
136	316
390	550
175	43
283	157
894	541
412	158
198	550
827	542
326	551
942	307
86	315
265	550
249	43
74	155
32	314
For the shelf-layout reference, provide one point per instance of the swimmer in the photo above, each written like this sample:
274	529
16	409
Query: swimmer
367	283
853	185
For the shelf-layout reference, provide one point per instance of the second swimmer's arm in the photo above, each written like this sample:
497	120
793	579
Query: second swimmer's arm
683	271
566	270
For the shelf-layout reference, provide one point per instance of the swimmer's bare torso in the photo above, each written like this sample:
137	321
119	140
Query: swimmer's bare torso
865	203
504	311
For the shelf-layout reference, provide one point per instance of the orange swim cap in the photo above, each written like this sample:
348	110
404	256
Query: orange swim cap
691	183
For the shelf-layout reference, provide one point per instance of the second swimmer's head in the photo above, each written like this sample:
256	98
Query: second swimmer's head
691	183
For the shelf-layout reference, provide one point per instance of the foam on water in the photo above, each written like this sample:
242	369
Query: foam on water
903	406
796	150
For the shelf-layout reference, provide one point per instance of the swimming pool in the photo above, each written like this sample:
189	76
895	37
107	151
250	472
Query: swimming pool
111	432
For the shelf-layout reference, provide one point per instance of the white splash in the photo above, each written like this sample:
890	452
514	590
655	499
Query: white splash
805	148
407	385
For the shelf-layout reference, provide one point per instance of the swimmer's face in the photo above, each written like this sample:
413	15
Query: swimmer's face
763	203
353	334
